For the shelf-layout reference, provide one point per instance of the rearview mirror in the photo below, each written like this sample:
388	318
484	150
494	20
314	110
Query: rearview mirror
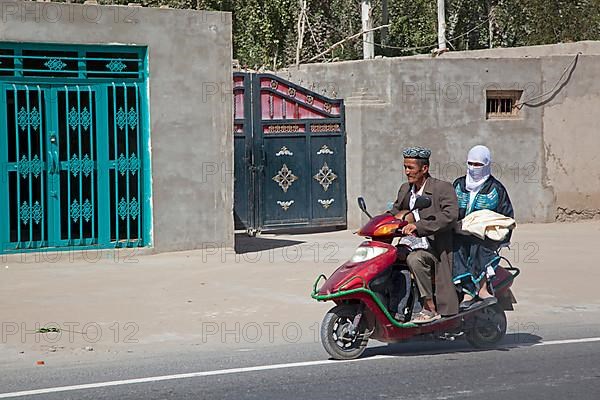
363	206
421	202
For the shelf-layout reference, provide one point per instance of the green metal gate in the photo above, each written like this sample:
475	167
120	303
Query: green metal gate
290	156
74	147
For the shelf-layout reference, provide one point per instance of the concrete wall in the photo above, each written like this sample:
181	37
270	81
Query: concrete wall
569	126
191	114
440	104
588	47
572	135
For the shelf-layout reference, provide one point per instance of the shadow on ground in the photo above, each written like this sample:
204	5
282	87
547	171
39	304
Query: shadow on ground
247	244
431	347
306	230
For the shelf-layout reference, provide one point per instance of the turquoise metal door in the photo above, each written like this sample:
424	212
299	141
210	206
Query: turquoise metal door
74	147
26	159
51	166
122	160
53	154
73	172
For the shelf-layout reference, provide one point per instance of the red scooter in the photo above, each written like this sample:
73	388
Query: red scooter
375	296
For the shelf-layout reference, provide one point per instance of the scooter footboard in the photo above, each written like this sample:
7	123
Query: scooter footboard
383	327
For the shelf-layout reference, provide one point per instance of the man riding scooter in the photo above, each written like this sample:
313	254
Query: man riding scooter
365	288
434	225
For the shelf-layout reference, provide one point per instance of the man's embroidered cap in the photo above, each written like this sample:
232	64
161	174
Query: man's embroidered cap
417	152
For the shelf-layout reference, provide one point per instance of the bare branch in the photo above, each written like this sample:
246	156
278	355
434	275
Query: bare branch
345	40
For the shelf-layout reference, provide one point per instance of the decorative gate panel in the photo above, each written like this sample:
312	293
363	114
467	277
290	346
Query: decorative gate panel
242	143
284	197
74	174
124	163
25	155
293	169
72	147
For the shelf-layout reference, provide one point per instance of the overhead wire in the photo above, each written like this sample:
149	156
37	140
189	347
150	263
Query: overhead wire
400	48
387	46
470	30
527	102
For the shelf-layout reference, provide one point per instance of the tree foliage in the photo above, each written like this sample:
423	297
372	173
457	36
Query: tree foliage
265	32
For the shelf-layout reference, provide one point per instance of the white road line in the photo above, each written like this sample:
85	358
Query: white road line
568	341
181	376
237	371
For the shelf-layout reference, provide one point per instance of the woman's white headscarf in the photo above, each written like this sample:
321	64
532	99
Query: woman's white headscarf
476	176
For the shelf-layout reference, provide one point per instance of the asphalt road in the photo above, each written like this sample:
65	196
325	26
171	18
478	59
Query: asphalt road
529	364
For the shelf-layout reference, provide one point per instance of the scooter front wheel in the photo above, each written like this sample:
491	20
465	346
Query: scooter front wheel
337	336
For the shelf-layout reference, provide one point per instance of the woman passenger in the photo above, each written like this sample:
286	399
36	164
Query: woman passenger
478	190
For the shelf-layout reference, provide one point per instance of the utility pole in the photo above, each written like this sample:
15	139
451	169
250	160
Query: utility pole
491	24
441	26
300	27
385	20
367	25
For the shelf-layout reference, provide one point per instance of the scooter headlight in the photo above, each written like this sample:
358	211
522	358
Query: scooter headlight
365	253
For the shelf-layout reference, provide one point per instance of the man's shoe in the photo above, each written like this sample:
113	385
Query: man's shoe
399	317
466	304
477	302
425	316
488	301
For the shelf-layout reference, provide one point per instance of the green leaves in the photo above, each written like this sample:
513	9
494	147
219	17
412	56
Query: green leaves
48	330
265	31
523	22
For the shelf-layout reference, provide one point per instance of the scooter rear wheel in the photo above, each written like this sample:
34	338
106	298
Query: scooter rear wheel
338	341
489	328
